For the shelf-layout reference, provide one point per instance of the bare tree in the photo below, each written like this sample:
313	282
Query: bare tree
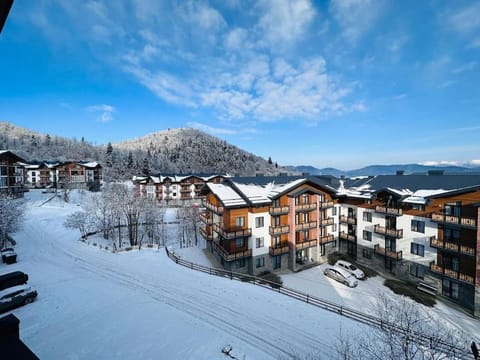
407	332
189	217
80	220
12	212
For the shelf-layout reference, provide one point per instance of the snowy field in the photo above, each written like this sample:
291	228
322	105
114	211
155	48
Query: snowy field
94	304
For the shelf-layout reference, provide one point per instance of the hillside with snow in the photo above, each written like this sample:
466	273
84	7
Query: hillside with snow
94	304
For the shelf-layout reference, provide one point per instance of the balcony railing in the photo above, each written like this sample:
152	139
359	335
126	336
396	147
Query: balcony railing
306	207
205	234
326	222
279	210
232	234
390	232
327	239
231	256
216	209
206	219
306	226
452	246
348	219
186	190
452	273
388	210
305	244
344	236
326	204
279	230
397	255
279	249
458	220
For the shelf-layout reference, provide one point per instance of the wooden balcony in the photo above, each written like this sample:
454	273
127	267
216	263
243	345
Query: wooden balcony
457	220
305	244
279	249
326	222
232	234
451	246
388	210
326	204
306	207
279	230
348	219
452	274
216	209
279	210
306	226
205	234
206	219
231	256
397	255
327	239
390	232
186	190
344	236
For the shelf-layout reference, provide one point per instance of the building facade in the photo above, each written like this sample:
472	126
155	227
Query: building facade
11	173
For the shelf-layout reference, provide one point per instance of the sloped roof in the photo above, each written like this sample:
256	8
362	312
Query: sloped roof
228	196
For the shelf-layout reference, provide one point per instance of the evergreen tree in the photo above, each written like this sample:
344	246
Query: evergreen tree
146	167
270	160
109	155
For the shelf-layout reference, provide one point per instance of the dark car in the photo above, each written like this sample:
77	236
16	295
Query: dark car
16	296
12	278
9	256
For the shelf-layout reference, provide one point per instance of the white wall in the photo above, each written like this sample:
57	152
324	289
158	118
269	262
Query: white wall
259	232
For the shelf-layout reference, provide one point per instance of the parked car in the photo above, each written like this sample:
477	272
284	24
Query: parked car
341	275
9	256
12	278
352	269
16	296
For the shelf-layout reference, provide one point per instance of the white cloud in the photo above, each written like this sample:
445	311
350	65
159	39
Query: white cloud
356	17
467	19
104	111
210	129
284	21
465	67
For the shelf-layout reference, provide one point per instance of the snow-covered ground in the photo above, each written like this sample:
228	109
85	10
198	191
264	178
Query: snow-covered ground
94	304
139	304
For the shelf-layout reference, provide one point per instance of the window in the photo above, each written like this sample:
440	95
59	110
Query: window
367	216
297	200
240	221
418	226
239	243
260	262
334	211
417	249
417	270
451	235
277	262
259	222
450	289
367	235
259	242
367	254
334	227
276	220
305	199
240	263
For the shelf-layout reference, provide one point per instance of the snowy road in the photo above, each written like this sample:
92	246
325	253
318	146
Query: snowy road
132	305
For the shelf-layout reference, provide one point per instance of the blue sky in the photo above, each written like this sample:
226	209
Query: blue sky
341	83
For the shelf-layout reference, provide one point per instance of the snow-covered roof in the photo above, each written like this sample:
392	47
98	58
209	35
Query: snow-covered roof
227	195
420	196
91	164
281	188
256	194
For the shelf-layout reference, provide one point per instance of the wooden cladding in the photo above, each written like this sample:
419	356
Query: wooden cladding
451	246
232	234
348	219
344	236
457	220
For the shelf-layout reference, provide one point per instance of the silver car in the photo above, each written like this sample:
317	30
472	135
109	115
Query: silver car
352	269
339	274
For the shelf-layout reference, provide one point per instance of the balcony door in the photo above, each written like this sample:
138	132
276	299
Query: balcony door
390	222
391	244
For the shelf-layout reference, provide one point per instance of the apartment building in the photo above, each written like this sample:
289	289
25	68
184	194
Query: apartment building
39	175
420	228
86	175
11	173
263	224
175	188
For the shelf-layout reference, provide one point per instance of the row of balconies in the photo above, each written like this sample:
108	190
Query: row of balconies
396	255
457	220
285	209
216	209
451	246
232	234
388	210
231	256
348	219
452	273
397	233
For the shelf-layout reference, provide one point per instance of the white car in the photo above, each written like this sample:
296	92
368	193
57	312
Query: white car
339	274
352	269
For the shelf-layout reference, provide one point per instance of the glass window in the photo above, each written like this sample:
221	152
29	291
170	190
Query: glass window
417	249
260	262
418	226
277	262
239	242
259	222
367	235
240	221
367	216
259	242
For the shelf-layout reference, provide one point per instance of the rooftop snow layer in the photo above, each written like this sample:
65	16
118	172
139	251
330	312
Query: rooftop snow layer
226	194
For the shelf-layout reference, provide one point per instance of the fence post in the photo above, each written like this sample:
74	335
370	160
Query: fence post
231	275
307	298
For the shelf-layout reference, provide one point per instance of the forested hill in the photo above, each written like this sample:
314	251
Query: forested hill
180	151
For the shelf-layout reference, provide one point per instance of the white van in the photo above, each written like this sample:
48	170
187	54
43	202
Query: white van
352	269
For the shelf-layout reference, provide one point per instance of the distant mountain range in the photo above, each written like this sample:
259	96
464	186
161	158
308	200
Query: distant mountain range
382	170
